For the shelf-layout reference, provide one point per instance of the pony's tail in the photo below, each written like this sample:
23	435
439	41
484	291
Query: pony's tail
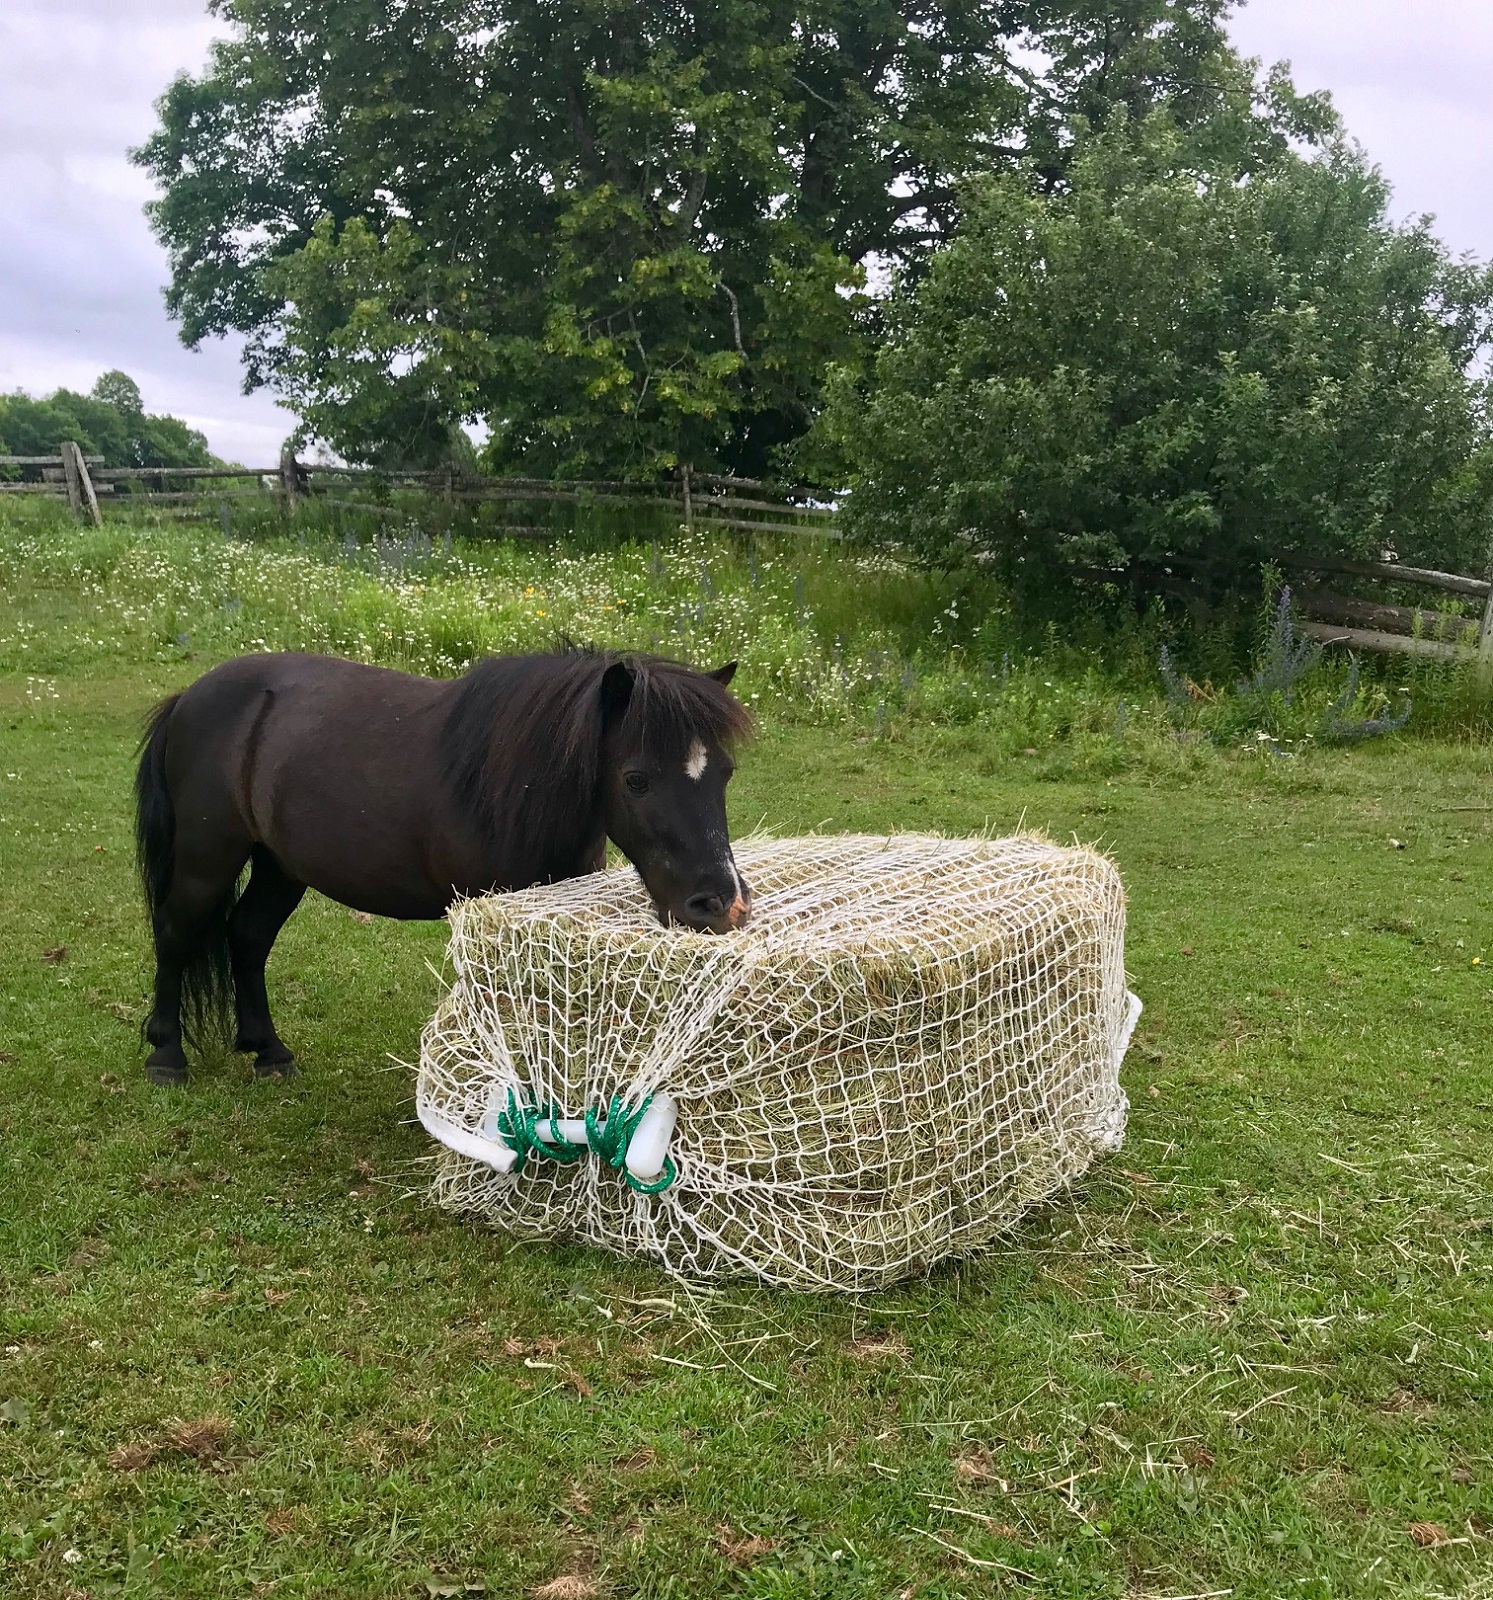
206	974
155	817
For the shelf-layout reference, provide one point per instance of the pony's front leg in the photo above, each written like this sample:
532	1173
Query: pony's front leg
257	919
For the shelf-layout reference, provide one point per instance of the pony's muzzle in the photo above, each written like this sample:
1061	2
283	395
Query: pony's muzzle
720	908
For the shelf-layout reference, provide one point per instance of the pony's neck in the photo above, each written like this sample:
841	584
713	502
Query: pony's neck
520	748
572	852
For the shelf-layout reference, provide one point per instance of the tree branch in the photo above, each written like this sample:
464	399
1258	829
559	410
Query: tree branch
580	127
642	352
1031	80
730	294
694	198
817	96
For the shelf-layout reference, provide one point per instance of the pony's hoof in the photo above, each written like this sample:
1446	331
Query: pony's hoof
166	1074
266	1066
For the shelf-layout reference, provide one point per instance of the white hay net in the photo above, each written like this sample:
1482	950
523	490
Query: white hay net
913	1040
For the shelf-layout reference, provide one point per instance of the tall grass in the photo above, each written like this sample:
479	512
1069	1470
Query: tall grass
825	634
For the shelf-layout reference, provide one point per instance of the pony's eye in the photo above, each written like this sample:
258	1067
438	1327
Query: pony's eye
637	782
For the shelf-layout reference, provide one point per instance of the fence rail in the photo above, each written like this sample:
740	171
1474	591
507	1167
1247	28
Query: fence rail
746	505
45	461
1349	620
1393	571
1371	625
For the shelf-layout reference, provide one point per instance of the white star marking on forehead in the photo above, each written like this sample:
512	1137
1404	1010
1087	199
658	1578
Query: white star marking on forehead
696	761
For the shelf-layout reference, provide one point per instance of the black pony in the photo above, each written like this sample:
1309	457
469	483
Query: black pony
396	794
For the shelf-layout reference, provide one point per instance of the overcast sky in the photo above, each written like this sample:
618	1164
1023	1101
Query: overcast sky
81	277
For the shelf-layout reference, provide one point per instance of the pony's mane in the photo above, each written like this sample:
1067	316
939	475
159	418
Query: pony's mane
521	744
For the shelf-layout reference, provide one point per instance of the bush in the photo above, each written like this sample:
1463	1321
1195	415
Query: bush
1288	698
1173	367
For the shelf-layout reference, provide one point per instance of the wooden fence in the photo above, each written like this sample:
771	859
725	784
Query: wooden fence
1342	619
67	473
704	499
1334	618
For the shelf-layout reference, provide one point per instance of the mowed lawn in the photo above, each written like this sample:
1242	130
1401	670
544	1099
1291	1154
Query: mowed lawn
240	1355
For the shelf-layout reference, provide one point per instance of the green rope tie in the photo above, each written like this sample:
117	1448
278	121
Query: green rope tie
609	1138
519	1127
659	1184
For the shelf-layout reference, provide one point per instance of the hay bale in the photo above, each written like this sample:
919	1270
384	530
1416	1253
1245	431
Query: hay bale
913	1041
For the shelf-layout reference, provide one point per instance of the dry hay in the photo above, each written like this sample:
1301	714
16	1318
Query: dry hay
913	1041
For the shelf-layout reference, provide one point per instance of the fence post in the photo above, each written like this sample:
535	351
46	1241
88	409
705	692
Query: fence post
70	477
90	499
80	495
689	508
1485	639
290	481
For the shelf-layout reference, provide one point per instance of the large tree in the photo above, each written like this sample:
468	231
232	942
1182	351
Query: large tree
1185	357
617	233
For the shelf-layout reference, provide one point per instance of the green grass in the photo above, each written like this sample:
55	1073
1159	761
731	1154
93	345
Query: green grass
1246	1354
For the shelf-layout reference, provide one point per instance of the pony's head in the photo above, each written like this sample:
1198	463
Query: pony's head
551	752
666	757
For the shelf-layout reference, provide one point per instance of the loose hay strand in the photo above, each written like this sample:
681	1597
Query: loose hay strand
913	1041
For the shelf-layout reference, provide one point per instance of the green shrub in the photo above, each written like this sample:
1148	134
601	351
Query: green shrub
1174	366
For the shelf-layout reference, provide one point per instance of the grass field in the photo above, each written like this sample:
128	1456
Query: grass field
1252	1354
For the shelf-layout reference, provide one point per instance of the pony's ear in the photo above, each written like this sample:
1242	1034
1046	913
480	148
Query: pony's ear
723	675
616	690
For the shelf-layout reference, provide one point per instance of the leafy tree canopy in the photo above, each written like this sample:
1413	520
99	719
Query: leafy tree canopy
1177	358
616	233
110	422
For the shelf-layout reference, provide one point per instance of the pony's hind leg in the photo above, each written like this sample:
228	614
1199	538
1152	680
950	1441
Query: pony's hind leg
188	929
257	919
167	1061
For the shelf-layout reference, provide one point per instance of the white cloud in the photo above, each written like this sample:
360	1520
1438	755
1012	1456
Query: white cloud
80	275
1412	84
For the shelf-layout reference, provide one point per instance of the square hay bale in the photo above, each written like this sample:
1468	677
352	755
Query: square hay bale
913	1041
